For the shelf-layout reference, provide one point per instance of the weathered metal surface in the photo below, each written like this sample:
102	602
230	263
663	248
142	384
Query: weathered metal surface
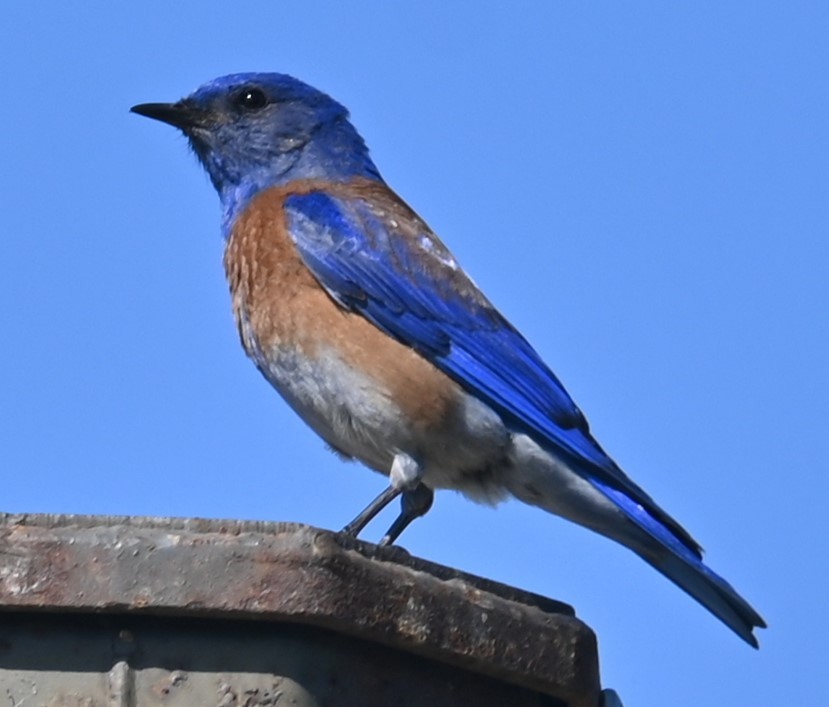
128	661
289	575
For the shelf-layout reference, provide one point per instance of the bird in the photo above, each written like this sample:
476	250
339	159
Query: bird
366	324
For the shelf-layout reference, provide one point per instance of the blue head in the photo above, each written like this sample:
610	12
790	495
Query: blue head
252	131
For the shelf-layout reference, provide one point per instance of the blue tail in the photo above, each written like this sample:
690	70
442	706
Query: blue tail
681	562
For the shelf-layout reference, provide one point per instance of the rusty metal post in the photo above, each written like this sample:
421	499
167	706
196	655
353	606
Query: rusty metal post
137	611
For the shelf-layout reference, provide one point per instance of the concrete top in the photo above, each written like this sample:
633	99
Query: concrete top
290	573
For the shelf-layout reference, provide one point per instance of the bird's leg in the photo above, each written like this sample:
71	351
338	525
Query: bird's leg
416	500
404	476
413	504
355	527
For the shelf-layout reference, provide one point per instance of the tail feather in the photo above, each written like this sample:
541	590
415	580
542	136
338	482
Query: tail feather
712	591
541	478
683	565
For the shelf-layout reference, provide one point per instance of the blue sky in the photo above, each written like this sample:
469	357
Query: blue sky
641	188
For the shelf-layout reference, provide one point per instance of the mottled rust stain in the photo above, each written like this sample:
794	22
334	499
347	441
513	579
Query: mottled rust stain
284	574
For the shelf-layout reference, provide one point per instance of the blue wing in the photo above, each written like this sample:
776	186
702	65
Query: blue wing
375	256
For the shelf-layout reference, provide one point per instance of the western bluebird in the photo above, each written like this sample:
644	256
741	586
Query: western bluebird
366	324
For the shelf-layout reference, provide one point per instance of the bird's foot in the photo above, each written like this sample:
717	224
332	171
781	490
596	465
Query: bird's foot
404	475
413	504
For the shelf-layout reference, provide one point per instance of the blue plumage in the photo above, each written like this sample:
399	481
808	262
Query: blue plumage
356	257
495	420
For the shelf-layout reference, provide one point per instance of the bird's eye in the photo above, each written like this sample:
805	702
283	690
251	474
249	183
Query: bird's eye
251	99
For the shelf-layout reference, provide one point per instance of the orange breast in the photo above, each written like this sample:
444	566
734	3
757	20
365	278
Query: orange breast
286	309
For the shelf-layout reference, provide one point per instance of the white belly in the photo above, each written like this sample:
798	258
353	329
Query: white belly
355	414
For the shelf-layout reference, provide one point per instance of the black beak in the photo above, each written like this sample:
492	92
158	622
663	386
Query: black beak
181	115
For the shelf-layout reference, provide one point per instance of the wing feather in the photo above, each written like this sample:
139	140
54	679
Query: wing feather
376	257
